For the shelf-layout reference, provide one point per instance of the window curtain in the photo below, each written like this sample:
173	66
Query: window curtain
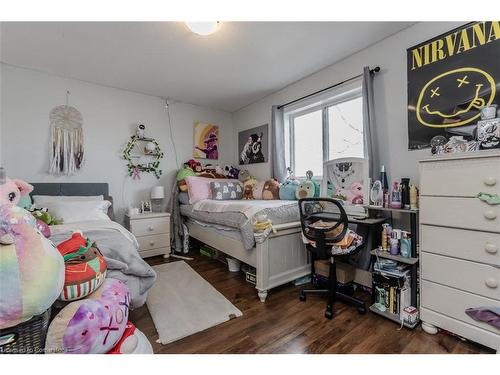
369	128
278	164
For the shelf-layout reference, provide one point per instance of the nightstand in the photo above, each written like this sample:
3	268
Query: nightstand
152	231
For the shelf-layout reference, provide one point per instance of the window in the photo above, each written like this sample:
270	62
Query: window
328	129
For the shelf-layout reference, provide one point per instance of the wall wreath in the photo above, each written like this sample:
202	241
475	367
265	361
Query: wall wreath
142	154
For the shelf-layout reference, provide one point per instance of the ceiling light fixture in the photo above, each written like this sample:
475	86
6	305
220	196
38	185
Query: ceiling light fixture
203	28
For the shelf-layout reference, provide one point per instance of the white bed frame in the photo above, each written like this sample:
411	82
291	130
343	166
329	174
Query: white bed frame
279	259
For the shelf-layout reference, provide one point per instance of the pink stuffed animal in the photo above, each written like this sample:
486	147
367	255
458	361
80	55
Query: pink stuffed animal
11	191
356	193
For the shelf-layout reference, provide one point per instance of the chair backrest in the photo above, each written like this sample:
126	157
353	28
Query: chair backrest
323	219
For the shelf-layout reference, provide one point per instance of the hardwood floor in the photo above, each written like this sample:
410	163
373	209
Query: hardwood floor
286	325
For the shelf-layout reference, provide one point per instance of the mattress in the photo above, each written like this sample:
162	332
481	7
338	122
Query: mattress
233	216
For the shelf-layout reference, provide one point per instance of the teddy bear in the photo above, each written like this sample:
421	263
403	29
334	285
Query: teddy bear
271	190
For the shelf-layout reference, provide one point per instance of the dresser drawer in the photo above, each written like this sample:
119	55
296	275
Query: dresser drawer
154	241
454	302
464	177
144	227
472	277
476	246
467	213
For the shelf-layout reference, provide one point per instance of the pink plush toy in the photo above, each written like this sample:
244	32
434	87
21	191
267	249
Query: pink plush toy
355	193
11	191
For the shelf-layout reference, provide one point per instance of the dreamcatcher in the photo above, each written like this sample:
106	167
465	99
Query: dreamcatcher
66	156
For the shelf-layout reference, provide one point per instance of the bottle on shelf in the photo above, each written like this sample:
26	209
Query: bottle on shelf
405	193
385	187
413	197
396	195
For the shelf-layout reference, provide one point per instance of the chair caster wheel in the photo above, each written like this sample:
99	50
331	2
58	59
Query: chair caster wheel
362	310
302	297
329	314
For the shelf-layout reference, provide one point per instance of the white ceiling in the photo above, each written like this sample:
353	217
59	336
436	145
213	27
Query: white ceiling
241	63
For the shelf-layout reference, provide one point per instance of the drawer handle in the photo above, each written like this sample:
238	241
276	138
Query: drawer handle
490	181
490	248
151	243
491	282
151	229
490	214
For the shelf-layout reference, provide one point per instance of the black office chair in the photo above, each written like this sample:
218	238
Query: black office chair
332	229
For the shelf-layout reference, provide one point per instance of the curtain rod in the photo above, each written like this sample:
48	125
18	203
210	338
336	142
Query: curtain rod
374	70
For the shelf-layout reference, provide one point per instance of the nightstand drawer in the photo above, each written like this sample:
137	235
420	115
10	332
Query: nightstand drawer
146	227
153	242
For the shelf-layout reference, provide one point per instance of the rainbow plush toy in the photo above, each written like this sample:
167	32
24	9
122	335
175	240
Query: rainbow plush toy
92	325
31	268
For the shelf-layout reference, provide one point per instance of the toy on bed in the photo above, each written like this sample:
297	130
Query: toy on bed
258	189
248	185
31	268
309	188
85	267
91	325
288	189
181	177
271	190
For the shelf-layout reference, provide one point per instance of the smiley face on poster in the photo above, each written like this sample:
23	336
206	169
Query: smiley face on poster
454	98
450	79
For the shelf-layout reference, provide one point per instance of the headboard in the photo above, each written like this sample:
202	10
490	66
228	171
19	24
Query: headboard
74	188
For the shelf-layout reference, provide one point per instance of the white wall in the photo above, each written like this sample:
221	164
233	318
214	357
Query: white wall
109	118
390	97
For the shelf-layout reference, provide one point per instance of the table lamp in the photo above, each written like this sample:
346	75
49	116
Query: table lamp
157	196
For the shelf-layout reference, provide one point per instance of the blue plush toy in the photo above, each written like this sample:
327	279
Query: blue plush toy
288	189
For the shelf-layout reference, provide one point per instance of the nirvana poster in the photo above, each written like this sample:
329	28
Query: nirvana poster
450	78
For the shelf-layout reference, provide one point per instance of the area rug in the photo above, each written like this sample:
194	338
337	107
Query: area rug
182	303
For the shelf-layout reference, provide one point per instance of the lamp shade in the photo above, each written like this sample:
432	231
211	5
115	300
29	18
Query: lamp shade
157	192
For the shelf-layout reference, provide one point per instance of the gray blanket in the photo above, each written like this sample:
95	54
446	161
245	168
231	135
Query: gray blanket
278	215
120	250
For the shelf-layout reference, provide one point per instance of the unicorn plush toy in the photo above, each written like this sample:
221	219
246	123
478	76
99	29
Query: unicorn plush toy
31	267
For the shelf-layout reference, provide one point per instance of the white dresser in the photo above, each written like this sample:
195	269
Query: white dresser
460	243
152	231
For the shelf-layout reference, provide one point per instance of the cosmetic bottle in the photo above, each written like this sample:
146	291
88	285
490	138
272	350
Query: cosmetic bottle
413	197
405	193
395	195
405	245
384	237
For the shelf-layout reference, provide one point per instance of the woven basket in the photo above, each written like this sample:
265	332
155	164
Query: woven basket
26	338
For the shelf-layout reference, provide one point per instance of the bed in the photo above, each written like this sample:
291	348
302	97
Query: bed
118	245
278	258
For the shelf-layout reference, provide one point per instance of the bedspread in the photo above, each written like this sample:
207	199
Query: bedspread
120	250
239	214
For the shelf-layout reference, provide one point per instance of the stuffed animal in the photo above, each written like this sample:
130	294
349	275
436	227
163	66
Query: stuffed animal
181	176
309	188
194	165
258	189
232	172
288	189
133	341
271	190
243	175
248	192
355	193
44	215
12	191
91	325
85	267
31	268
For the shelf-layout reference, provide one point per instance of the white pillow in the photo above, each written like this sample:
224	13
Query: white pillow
41	200
76	211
